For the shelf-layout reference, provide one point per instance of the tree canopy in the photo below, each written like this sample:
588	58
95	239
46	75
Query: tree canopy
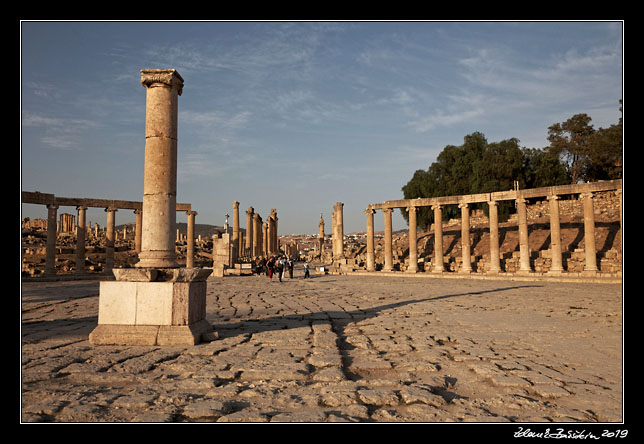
576	152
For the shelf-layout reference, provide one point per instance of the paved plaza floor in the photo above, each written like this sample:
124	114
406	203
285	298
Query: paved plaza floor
337	349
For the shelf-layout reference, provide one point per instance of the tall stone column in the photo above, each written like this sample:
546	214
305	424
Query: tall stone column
109	240
495	257
465	238
413	241
334	237
271	234
371	257
156	303
339	229
190	253
265	238
80	240
321	236
235	242
249	230
589	233
257	233
50	253
274	241
389	261
163	86
439	266
138	229
524	249
555	235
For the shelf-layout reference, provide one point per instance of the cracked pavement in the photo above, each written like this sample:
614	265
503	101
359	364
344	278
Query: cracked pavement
337	348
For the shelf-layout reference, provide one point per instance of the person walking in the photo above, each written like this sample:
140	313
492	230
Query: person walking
280	268
290	264
306	270
270	266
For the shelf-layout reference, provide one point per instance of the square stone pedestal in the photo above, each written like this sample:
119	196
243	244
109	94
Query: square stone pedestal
147	306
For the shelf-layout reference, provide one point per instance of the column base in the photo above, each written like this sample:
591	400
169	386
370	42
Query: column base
115	334
153	307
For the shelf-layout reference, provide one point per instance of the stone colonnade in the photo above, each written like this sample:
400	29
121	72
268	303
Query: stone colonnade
260	238
53	203
585	191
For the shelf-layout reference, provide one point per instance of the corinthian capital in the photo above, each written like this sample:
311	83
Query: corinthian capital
168	77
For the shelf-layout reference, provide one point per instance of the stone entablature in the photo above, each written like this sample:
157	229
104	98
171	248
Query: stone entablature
492	265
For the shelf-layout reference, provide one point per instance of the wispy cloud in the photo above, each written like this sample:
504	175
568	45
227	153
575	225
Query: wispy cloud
61	133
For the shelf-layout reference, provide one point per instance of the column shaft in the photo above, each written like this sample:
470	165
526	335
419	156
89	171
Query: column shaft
465	238
589	233
50	254
109	240
388	256
190	251
80	240
413	241
235	241
137	230
160	170
524	249
371	258
339	229
249	230
439	267
555	235
495	259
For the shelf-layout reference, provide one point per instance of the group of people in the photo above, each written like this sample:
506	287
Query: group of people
278	265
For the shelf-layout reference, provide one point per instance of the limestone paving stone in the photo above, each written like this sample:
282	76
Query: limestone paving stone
393	350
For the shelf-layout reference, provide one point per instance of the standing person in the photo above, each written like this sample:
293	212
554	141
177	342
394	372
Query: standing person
271	266
291	264
262	266
280	267
306	270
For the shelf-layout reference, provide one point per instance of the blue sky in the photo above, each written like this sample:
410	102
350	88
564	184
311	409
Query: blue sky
298	115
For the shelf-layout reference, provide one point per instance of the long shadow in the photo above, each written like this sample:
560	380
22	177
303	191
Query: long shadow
336	317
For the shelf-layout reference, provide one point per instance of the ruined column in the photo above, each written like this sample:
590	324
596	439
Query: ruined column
235	242
190	250
109	240
80	240
439	266
371	257
389	261
495	259
589	233
524	250
156	303
137	230
163	86
265	238
413	241
50	254
321	236
249	230
555	235
334	243
274	242
339	229
270	234
465	238
257	233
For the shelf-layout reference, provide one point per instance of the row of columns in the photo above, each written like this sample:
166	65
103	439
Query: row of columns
495	262
260	238
50	254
